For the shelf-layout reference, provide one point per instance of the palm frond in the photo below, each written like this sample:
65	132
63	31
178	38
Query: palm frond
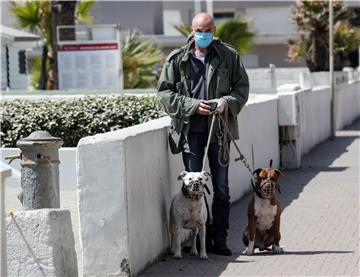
140	60
236	33
27	14
82	13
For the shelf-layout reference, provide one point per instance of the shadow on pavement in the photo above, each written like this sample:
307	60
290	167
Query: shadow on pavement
319	159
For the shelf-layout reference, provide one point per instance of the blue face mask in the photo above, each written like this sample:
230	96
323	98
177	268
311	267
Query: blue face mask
203	40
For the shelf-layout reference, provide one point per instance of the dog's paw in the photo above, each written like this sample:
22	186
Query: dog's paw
248	251
278	249
204	257
194	252
177	256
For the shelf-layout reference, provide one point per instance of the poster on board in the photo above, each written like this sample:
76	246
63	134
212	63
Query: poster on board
92	61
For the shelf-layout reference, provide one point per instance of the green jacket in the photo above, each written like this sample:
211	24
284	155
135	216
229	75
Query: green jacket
226	78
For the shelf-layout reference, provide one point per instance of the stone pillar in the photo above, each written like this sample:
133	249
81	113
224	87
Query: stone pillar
39	171
41	243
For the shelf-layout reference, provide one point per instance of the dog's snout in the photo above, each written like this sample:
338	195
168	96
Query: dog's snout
196	186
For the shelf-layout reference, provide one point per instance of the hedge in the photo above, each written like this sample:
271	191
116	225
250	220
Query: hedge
72	119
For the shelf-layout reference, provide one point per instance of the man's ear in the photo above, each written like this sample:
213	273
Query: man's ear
278	172
182	175
257	171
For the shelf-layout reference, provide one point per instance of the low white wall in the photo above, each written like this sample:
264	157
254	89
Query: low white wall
127	178
347	104
67	157
315	117
259	137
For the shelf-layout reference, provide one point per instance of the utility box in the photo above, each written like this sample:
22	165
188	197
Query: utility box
39	171
290	125
289	105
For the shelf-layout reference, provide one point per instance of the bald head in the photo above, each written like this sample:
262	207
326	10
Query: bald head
202	22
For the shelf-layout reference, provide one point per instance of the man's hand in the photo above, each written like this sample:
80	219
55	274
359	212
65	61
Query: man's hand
221	103
203	108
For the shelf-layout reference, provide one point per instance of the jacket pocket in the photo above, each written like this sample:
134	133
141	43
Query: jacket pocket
223	81
176	137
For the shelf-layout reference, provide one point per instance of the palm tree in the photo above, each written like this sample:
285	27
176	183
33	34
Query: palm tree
38	17
141	60
312	43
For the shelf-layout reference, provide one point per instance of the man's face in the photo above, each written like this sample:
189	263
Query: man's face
202	25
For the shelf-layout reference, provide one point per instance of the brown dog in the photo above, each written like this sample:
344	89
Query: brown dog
264	211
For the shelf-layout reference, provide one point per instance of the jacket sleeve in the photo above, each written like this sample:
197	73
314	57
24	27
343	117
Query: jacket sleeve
239	93
172	94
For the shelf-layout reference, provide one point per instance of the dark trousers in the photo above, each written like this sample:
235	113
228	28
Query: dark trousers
221	202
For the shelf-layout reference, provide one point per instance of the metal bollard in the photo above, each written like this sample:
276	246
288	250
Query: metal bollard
39	171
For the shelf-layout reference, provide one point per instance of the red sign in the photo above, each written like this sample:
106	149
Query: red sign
88	47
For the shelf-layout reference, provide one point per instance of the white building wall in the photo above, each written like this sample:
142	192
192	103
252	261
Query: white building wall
17	80
271	20
3	72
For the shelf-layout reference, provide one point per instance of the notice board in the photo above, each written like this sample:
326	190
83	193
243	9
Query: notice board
92	64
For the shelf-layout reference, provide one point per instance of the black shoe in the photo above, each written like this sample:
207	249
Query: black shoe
220	248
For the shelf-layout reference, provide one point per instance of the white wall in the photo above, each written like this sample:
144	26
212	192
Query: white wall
316	117
127	178
347	104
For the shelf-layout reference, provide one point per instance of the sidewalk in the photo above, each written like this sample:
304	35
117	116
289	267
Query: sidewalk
319	223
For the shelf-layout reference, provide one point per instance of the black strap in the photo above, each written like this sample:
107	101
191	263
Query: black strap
258	193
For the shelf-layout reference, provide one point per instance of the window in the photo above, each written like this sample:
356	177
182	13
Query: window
22	62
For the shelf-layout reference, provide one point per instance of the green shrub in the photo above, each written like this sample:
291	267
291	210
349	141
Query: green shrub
72	119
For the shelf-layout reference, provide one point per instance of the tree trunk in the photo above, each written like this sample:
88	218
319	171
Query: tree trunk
43	72
62	13
319	60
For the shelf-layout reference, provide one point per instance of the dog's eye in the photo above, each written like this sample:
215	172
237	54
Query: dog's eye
200	179
189	179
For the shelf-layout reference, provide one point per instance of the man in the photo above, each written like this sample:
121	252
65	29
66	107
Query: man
205	70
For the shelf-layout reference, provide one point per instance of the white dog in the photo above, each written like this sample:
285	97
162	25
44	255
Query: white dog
188	210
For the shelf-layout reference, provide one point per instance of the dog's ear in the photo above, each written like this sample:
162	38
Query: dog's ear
257	171
182	175
278	172
207	175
